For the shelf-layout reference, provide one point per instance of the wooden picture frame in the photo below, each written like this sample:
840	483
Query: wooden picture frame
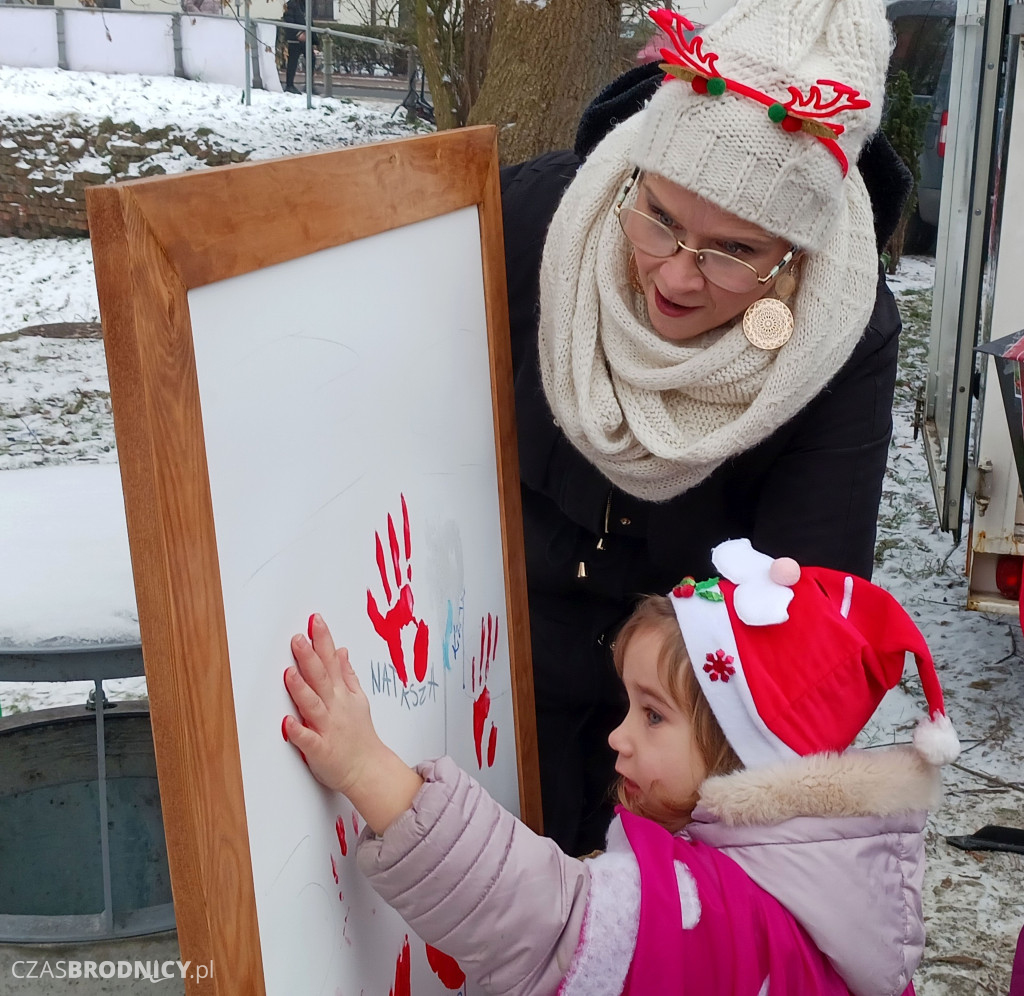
154	240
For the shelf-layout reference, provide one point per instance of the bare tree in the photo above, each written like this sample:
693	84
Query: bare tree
454	37
525	65
374	12
546	61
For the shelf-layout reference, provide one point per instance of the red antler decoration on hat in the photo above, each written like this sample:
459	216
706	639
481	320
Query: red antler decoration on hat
814	104
801	112
690	52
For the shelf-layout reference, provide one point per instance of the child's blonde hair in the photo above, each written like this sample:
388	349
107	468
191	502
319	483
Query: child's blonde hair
656	612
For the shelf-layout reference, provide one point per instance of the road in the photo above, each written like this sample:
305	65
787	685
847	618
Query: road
362	87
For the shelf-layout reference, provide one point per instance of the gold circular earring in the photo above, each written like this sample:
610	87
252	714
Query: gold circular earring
768	323
633	274
785	285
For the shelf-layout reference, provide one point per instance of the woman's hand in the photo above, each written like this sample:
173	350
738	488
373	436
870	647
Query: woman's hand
336	736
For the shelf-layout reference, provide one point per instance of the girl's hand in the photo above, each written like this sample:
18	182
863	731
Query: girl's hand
336	735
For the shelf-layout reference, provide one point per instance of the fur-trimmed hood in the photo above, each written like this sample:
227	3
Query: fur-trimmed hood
846	854
880	782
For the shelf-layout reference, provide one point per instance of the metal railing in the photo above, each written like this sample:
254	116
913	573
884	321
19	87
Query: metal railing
249	25
310	29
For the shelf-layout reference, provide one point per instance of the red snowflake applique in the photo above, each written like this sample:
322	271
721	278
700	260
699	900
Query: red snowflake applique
719	666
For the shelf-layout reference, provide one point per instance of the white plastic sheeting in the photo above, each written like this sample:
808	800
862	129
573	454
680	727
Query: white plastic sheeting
28	37
117	41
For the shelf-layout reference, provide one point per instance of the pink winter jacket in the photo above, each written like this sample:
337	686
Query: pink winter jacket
836	839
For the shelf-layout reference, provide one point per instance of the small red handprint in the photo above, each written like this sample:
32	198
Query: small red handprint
479	673
400	608
445	968
403	979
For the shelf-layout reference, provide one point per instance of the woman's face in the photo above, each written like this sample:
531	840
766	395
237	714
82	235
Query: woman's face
681	302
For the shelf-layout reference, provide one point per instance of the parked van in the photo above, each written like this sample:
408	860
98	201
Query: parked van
924	50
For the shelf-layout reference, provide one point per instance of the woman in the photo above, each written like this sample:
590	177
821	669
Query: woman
650	427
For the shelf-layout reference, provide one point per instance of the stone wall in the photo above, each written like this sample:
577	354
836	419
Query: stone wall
45	167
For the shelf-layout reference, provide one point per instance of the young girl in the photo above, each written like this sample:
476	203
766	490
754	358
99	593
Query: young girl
754	851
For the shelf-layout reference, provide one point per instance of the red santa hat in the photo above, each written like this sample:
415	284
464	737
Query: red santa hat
794	661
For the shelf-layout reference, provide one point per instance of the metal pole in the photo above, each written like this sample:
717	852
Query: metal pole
309	54
179	58
248	56
62	51
101	798
327	54
257	75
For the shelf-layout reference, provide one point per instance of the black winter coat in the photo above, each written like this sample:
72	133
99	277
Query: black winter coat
810	491
294	13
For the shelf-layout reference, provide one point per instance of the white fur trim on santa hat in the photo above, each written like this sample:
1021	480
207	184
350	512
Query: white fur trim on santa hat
707	633
936	740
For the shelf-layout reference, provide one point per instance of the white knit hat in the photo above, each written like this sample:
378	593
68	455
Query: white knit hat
821	62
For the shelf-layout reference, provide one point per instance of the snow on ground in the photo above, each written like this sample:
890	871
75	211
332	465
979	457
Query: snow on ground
277	124
974	901
54	410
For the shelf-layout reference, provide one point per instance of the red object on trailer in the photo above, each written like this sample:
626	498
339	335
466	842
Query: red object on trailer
1008	575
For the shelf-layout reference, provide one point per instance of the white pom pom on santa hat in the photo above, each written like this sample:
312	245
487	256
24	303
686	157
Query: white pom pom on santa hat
936	740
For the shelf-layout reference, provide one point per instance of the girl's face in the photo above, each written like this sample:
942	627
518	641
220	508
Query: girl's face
681	302
659	760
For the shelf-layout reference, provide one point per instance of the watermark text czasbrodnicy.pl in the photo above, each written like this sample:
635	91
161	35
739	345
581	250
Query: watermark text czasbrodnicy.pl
150	971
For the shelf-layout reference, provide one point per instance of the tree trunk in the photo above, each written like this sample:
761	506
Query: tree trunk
477	30
546	61
435	38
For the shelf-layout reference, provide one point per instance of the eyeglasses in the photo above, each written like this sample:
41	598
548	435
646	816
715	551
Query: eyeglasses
652	237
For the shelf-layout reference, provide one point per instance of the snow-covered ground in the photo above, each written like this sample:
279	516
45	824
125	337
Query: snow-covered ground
54	409
277	124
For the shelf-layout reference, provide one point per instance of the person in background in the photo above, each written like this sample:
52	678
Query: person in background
294	13
738	786
703	342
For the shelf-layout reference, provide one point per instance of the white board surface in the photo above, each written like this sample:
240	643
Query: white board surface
346	402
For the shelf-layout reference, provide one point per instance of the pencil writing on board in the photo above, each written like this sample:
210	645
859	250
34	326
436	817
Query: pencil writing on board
453	632
391	625
384	681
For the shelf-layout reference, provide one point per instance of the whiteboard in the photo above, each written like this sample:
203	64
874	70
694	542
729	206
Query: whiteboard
329	428
312	398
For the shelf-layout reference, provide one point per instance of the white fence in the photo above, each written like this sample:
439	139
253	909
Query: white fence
195	46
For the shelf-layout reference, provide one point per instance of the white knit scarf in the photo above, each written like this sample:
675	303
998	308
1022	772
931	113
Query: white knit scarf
657	417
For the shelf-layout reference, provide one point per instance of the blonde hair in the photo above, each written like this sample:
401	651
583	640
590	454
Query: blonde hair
655	612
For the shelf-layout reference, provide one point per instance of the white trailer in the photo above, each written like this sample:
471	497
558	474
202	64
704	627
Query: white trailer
979	297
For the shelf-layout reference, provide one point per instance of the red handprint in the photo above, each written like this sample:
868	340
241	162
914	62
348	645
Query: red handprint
445	968
399	615
403	986
480	671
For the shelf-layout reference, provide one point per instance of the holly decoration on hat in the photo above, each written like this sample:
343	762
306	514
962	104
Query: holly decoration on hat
708	590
